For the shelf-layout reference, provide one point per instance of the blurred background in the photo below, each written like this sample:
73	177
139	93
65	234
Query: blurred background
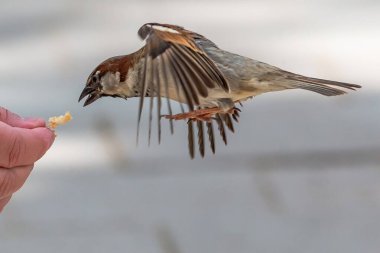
301	173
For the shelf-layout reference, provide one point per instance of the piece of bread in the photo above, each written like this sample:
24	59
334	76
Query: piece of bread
59	120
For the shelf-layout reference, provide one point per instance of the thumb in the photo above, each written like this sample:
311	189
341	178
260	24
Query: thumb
20	146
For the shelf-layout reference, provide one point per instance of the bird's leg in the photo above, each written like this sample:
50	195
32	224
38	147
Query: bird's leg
200	114
205	114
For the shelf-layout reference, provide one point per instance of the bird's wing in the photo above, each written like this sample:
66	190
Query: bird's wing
172	58
223	120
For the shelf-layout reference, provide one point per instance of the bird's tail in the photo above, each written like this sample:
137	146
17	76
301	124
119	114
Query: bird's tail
321	86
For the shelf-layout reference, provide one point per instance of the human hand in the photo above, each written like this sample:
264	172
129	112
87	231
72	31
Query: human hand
22	143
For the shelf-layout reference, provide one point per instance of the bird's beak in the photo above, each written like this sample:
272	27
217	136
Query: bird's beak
91	92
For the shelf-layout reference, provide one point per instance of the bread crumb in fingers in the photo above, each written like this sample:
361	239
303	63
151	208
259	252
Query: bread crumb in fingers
54	122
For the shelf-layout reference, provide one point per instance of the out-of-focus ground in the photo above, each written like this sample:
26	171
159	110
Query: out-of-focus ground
301	174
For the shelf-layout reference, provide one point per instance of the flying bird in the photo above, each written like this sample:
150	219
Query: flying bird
183	66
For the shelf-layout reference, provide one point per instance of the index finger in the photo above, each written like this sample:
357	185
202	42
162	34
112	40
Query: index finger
21	146
15	120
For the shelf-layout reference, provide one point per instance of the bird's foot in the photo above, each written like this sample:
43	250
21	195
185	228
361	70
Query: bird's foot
200	114
205	114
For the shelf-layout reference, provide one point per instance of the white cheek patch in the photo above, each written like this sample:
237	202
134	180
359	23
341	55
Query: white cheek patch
110	81
164	29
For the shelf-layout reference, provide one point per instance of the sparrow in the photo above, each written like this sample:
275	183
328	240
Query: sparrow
179	65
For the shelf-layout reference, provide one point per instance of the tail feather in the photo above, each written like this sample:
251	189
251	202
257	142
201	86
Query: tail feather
321	86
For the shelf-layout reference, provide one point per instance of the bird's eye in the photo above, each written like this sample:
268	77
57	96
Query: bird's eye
94	79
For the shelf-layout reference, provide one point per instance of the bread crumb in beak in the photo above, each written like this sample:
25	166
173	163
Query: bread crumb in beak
54	122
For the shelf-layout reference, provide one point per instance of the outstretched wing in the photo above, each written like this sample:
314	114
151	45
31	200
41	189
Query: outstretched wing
173	65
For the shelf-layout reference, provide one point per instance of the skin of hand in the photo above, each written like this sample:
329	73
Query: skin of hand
22	143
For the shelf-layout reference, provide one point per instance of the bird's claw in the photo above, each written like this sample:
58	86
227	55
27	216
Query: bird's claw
206	114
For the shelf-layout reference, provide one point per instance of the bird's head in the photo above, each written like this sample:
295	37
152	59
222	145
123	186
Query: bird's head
93	89
104	81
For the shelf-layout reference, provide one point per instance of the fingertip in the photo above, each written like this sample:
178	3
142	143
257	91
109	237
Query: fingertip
45	134
20	146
